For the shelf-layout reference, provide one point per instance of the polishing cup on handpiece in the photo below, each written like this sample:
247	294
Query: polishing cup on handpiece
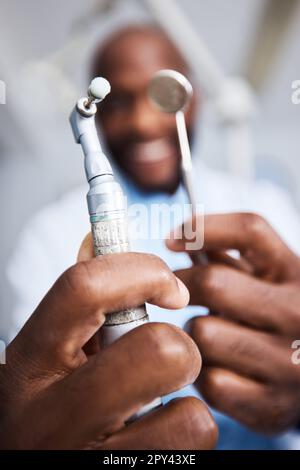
170	91
99	88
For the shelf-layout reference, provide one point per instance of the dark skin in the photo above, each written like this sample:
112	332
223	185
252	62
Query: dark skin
58	394
59	388
142	140
246	344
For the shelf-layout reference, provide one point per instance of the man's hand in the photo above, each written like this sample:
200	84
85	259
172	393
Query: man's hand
246	344
59	390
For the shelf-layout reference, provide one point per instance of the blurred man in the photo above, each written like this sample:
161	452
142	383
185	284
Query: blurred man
143	146
142	141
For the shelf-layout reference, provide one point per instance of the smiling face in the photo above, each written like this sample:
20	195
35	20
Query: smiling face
142	140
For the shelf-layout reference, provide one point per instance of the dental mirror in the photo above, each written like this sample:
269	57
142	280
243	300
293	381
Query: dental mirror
170	92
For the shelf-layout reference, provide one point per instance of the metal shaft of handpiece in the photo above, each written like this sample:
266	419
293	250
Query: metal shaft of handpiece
108	216
90	143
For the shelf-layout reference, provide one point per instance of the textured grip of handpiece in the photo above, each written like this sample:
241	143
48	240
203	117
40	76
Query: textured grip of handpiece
110	236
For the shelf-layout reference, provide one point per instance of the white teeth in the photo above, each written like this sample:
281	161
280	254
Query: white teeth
153	151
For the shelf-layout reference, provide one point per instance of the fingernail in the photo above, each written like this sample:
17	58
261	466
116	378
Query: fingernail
175	238
170	243
184	293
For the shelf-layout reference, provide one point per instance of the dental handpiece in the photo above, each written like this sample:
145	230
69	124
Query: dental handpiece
107	209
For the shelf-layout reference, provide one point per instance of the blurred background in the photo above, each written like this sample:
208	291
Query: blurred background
45	52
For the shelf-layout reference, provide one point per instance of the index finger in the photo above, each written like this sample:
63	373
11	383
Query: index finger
74	309
249	233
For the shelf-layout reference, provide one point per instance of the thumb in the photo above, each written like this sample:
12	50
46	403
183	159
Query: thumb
86	250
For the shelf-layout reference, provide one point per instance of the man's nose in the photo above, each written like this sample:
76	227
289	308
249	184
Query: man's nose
145	121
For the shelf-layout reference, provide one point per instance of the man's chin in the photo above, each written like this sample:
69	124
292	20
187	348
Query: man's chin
156	184
155	176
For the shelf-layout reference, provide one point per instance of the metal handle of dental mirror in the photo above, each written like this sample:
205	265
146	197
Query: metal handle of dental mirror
107	210
170	91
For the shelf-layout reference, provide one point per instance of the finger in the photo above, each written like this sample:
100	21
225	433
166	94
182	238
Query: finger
251	235
243	298
93	345
221	257
251	403
100	396
247	352
184	424
75	307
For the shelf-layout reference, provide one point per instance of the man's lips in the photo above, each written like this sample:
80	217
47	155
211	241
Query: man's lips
154	151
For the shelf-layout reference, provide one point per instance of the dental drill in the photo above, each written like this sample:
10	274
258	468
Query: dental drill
107	209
